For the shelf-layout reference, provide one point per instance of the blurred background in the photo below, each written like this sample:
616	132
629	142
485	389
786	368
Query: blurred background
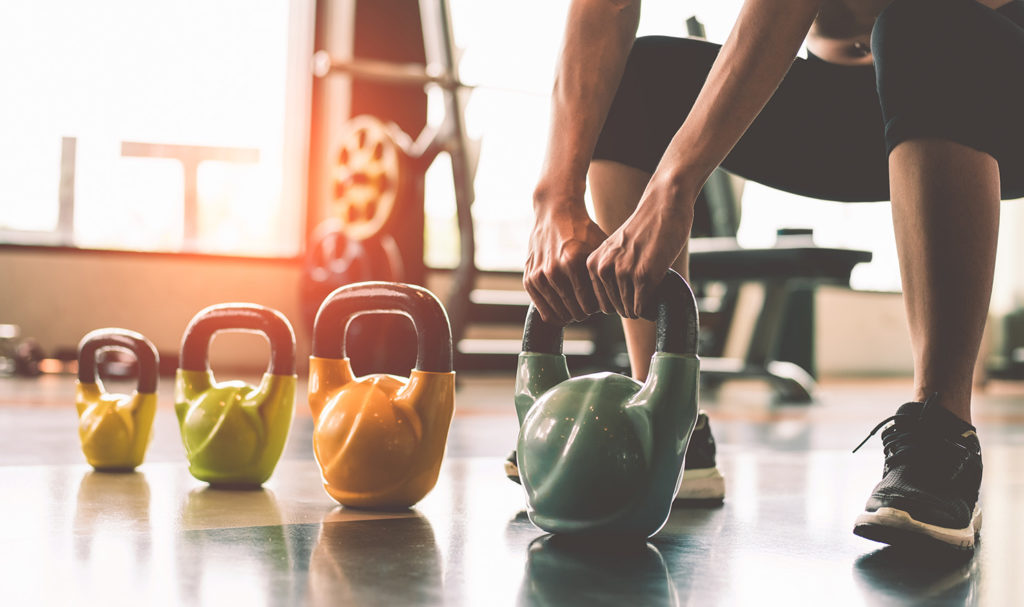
159	157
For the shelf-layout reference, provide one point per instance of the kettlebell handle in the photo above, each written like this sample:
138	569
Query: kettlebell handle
674	312
102	339
195	345
434	348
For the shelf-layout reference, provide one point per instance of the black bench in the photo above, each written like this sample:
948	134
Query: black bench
793	263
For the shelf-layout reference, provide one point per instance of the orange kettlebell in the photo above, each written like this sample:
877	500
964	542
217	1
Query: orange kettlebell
115	429
380	439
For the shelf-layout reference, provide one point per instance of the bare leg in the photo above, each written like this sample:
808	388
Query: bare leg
616	189
945	208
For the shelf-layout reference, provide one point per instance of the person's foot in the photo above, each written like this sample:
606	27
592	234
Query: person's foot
702	480
512	467
928	495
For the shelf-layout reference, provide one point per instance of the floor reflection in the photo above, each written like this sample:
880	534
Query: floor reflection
563	570
213	507
231	565
376	562
934	578
113	539
158	537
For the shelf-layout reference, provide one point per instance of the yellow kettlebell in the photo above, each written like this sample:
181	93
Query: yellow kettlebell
233	432
115	429
380	439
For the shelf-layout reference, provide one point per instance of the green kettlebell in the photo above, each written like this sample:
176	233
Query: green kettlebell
233	432
603	453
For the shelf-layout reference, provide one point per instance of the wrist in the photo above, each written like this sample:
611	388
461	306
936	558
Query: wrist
680	187
559	196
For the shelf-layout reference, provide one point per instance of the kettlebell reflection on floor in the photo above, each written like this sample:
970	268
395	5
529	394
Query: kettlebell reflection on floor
211	507
212	551
107	505
395	561
568	570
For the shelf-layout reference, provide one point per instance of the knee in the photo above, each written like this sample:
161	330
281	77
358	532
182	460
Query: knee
927	58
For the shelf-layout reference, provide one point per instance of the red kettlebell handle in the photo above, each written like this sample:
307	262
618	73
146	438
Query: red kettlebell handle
195	344
674	312
434	349
122	339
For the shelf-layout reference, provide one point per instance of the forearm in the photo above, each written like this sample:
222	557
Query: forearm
598	37
753	61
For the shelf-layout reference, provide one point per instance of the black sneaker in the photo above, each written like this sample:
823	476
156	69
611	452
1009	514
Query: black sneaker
928	495
701	479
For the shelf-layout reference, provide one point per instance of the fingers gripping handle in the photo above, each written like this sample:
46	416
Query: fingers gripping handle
195	345
674	312
102	339
434	349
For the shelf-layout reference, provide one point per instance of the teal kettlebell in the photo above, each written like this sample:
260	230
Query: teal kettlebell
603	453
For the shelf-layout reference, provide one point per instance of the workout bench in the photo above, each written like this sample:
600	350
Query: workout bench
793	263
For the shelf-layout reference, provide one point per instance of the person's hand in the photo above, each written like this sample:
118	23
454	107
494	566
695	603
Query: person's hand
556	274
628	266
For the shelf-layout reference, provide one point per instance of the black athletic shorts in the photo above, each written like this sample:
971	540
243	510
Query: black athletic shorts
949	69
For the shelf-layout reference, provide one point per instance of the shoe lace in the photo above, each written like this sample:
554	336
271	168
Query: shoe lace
891	418
903	439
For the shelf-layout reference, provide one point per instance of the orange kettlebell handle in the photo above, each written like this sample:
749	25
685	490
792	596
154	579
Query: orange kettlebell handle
434	349
195	344
102	339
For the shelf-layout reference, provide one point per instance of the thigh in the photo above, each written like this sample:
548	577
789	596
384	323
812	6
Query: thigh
954	69
820	135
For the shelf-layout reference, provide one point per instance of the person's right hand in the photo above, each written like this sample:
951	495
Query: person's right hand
556	275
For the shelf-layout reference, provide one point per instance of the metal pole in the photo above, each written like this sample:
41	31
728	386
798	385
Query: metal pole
440	52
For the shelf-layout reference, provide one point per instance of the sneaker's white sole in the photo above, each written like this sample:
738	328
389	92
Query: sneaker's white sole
512	471
699	484
891	526
702	484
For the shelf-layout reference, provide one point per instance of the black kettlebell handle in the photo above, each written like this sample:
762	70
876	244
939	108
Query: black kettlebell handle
195	344
102	339
434	347
675	312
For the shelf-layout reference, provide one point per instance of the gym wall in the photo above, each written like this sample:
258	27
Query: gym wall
57	296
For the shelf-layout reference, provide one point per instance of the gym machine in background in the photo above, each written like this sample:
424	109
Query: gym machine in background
372	214
375	230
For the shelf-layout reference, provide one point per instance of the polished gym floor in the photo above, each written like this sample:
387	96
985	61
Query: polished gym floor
71	536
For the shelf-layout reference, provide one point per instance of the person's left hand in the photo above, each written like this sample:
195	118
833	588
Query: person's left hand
632	262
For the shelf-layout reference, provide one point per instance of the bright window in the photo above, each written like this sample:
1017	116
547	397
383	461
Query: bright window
176	124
